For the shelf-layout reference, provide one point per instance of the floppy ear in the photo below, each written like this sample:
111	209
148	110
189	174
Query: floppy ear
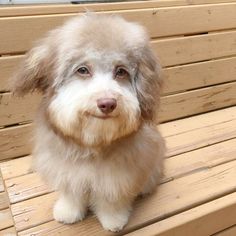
148	84
35	71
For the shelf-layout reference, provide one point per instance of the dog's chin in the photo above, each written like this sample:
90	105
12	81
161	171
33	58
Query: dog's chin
103	116
102	130
96	130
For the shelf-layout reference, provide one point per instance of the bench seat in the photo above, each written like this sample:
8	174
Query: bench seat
196	197
195	41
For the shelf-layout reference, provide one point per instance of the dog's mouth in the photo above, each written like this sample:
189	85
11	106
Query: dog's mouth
102	117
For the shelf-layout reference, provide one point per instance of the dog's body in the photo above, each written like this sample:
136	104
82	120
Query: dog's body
96	139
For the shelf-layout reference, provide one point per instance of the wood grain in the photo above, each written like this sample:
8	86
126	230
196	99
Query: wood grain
7	68
182	50
25	187
1	185
197	75
173	52
27	213
16	167
5	219
31	185
197	221
74	8
204	120
21	166
161	22
172	198
4	203
197	160
8	232
200	138
15	141
197	101
228	232
14	110
176	79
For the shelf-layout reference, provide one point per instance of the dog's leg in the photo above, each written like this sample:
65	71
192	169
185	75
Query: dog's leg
112	215
69	209
152	183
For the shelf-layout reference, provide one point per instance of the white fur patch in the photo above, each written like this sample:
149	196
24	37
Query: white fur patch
74	109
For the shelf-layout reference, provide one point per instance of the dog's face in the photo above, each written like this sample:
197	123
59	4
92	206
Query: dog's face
99	78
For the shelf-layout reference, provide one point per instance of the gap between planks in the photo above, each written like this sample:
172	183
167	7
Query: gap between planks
205	122
195	132
6	219
29	185
231	231
179	129
167	27
15	110
172	198
70	8
205	219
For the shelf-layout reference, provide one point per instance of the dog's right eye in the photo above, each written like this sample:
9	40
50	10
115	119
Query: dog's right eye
83	71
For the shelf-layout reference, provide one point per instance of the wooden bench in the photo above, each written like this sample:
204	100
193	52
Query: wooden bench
196	43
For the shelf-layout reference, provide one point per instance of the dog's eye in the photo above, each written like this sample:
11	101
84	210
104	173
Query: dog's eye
83	71
121	73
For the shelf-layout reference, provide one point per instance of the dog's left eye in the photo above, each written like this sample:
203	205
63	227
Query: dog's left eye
83	71
121	73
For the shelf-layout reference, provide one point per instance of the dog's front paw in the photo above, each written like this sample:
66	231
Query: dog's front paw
67	212
114	222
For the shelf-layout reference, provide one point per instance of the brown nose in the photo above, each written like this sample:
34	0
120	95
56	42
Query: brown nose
106	105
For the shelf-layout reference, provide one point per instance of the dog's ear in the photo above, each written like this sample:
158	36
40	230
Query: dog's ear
35	71
148	84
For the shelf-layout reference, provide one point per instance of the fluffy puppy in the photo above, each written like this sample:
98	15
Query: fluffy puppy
96	138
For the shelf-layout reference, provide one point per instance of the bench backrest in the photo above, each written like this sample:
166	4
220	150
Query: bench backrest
196	44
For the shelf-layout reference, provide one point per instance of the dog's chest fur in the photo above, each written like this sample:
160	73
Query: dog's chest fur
93	172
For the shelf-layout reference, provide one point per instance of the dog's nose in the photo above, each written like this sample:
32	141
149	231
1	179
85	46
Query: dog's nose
106	105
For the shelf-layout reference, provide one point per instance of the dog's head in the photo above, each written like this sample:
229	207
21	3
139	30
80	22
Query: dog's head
98	75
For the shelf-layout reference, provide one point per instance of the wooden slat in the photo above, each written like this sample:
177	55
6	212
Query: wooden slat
4	203
203	220
179	78
197	75
7	69
1	185
176	51
228	232
30	185
27	213
17	110
200	138
173	52
198	122
25	187
16	167
172	198
204	158
194	102
159	22
8	232
15	141
5	219
70	8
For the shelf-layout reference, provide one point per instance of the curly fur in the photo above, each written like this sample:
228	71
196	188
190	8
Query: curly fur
96	161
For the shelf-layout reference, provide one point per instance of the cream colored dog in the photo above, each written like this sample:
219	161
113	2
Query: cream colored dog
96	139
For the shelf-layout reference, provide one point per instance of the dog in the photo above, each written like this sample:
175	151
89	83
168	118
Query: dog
96	139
